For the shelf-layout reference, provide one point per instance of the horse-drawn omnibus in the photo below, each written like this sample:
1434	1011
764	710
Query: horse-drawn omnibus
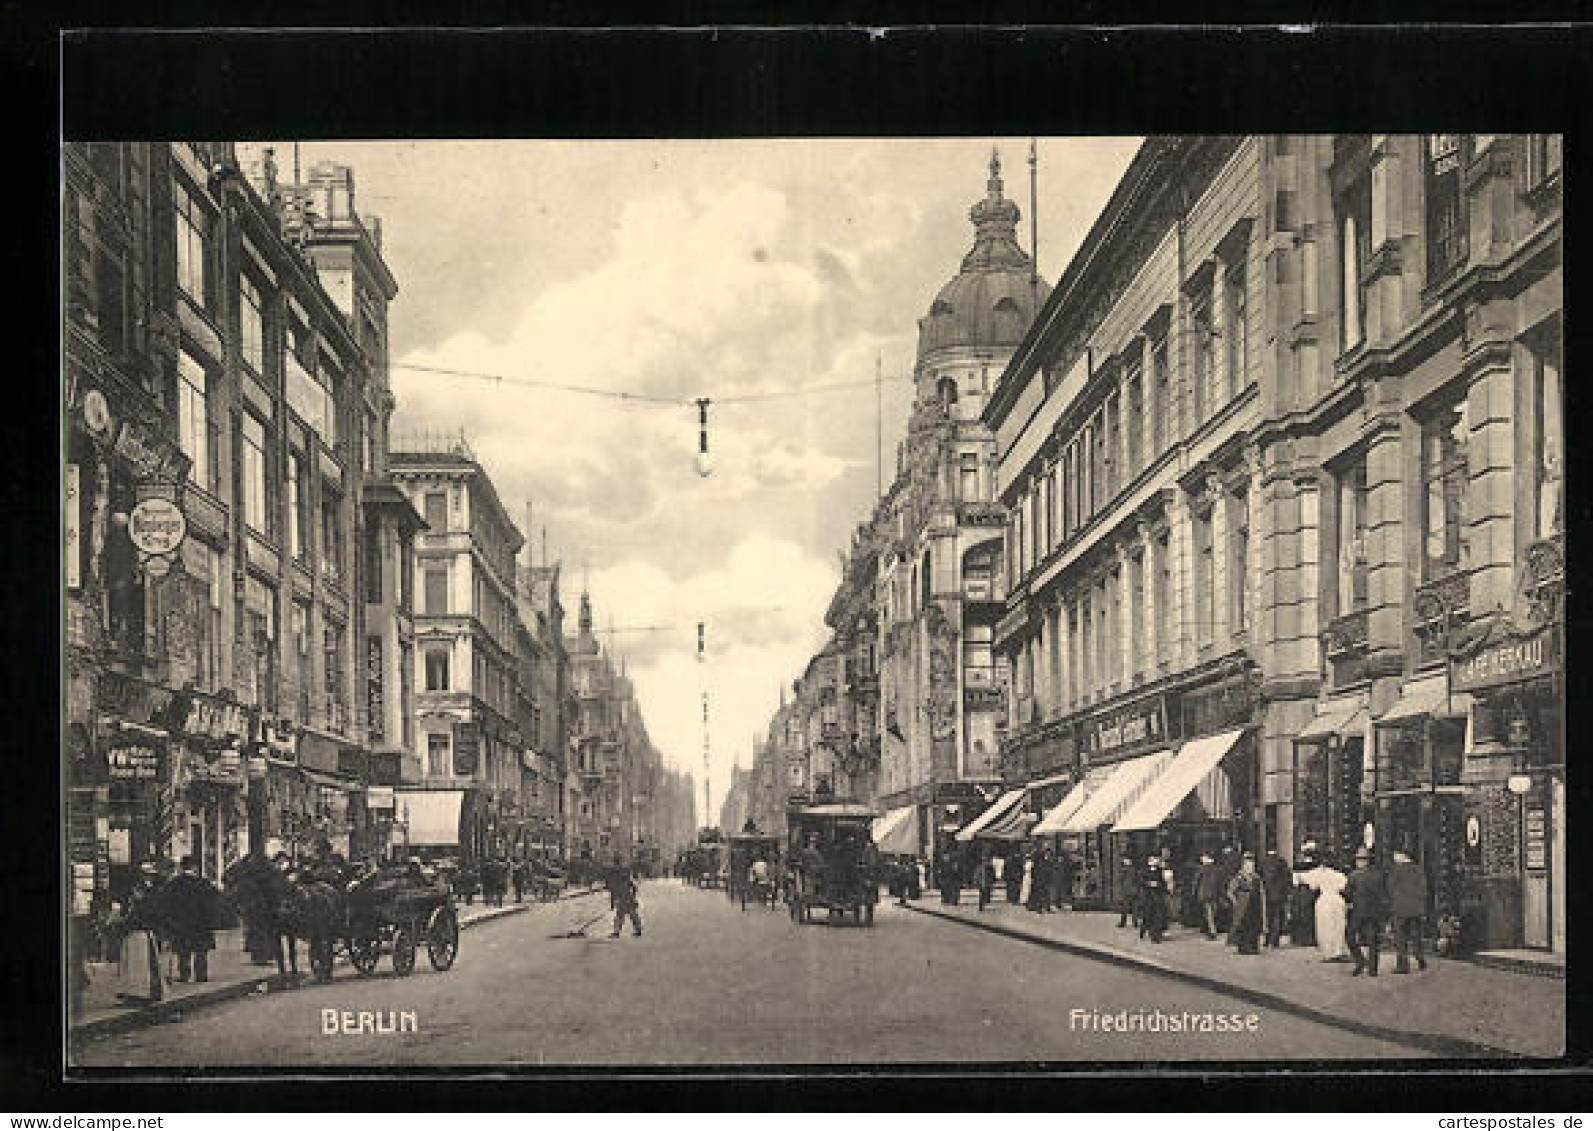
832	860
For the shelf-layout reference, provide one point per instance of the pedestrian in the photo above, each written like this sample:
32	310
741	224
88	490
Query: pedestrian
190	907
1407	906
1276	879
1209	891
624	899
138	978
1367	893
1127	892
1331	913
1039	882
1013	878
1026	888
1154	885
519	873
1247	894
1302	902
1061	880
987	880
950	878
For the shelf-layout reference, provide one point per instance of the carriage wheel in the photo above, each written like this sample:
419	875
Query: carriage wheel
442	938
403	953
365	952
321	960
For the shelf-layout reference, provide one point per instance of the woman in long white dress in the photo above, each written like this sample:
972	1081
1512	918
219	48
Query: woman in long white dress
1028	881
1330	915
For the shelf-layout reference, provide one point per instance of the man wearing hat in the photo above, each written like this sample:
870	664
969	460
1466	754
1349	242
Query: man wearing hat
1367	895
191	909
1153	896
1208	890
1249	899
1276	878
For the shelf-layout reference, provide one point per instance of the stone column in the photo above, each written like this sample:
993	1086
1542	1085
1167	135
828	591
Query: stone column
1127	639
1393	491
1216	497
1489	518
1146	541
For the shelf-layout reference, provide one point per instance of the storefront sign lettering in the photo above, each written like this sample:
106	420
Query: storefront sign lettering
374	707
133	762
151	457
157	526
1139	725
213	718
1510	662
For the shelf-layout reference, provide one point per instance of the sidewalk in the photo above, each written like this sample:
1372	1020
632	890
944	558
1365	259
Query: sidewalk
1453	1008
232	976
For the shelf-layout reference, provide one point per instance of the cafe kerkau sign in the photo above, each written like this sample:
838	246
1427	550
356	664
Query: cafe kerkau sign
1514	660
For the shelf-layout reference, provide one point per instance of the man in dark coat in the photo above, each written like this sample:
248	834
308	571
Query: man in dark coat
1407	906
1276	878
1127	892
1367	895
1153	900
987	880
1209	884
249	883
623	898
1302	902
1248	897
1040	882
190	907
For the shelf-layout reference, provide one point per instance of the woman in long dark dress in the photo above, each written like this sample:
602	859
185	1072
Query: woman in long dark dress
1248	897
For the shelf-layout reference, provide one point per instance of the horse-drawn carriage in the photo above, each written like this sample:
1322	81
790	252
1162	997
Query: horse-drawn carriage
833	861
390	911
746	849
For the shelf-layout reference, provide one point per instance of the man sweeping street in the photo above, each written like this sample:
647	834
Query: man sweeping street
623	898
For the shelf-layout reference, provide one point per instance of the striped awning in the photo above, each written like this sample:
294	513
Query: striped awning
896	831
1194	761
1001	808
1128	781
1057	815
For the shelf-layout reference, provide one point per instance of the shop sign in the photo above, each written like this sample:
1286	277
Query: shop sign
1142	724
379	797
1229	706
374	707
205	717
133	761
1513	661
157	527
73	532
224	770
151	457
1537	840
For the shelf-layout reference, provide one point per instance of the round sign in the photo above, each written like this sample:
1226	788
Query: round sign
96	413
1473	831
157	526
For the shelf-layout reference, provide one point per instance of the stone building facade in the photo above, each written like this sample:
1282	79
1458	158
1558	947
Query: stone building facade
1282	464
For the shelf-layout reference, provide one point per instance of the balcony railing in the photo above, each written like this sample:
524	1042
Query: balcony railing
1440	610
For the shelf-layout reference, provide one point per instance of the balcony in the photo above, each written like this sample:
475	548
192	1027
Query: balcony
1439	611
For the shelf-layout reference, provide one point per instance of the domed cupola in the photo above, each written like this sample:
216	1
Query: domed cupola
991	301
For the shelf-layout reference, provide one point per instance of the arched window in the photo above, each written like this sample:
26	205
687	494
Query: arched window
946	390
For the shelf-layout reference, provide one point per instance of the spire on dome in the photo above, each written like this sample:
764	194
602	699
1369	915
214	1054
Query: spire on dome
994	183
995	220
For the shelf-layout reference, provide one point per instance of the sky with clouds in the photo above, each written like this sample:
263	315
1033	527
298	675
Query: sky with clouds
684	269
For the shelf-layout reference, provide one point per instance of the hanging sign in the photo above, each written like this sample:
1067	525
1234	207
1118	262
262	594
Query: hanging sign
73	532
1513	661
156	526
133	761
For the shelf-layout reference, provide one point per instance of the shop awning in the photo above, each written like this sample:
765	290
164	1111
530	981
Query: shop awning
1346	716
433	816
1193	762
1014	825
1052	822
991	815
1127	782
1054	779
895	832
1430	697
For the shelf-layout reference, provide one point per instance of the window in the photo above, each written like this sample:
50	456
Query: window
1236	303
1446	214
437	588
437	511
251	324
1203	350
193	420
1205	579
300	627
1163	566
260	620
192	244
1103	637
1444	474
1112	447
1137	626
298	506
1162	410
436	669
254	474
1239	560
968	479
1352	566
373	564
1058	531
406	680
1134	399
438	762
1544	158
1091	455
208	642
332	534
1354	236
926	582
1548	432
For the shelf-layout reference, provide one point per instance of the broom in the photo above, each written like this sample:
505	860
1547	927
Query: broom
580	932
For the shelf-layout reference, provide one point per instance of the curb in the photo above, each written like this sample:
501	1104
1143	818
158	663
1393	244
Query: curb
1435	1043
175	1009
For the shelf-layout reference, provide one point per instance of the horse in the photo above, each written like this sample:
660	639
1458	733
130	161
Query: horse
256	889
313	909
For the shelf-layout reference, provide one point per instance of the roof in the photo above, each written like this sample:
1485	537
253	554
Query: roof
993	297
